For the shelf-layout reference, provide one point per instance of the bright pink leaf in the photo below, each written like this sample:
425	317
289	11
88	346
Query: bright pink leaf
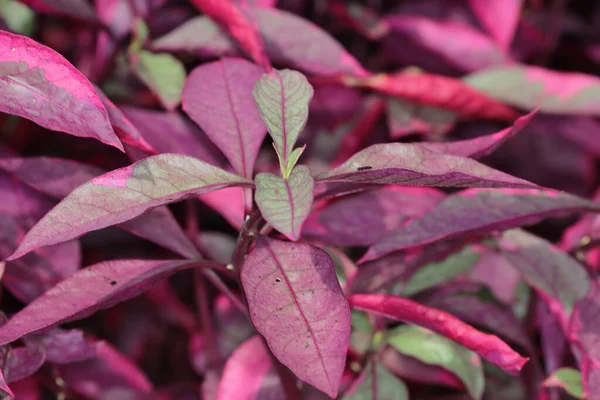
285	203
87	291
79	9
39	84
530	87
245	371
297	304
123	194
487	346
362	219
227	202
467	213
499	18
240	24
218	97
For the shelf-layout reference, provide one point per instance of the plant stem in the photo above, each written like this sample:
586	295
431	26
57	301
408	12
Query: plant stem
206	319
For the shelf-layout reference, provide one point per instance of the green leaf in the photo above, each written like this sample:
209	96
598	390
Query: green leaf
378	384
19	18
162	73
568	379
435	273
282	98
437	350
285	203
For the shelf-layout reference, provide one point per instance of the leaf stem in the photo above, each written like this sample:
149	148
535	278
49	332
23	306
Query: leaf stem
214	358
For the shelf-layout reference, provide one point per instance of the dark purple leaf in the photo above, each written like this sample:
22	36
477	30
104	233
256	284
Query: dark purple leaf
295	284
41	85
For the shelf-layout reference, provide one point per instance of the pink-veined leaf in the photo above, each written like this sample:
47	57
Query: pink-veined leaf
241	25
561	281
499	18
283	98
377	383
297	304
531	87
39	84
487	346
445	92
67	346
584	334
410	164
79	9
285	203
405	118
362	219
467	213
440	351
218	97
289	39
480	146
90	289
126	193
469	50
245	371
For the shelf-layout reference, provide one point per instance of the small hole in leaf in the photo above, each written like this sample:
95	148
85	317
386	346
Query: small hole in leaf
277	280
113	283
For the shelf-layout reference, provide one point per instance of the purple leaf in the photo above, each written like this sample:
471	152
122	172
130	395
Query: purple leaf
245	371
79	9
285	203
24	361
439	351
229	203
218	97
90	289
469	50
283	98
499	18
467	213
558	279
362	219
584	334
41	85
162	73
405	118
376	382
4	385
487	346
297	304
530	87
480	146
67	346
123	194
412	165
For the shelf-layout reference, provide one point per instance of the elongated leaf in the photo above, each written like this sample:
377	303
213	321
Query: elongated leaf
499	18
412	165
79	9
297	304
218	97
467	213
245	371
487	346
123	194
405	118
437	350
377	383
530	87
39	84
239	25
480	146
4	386
285	203
87	291
282	98
362	219
558	278
568	379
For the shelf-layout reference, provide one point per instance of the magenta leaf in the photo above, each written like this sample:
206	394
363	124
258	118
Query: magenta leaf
67	346
245	371
297	304
487	346
362	219
90	289
4	386
437	350
123	194
227	202
469	213
283	98
376	382
79	9
530	87
218	97
584	334
24	361
285	203
557	277
41	85
499	18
